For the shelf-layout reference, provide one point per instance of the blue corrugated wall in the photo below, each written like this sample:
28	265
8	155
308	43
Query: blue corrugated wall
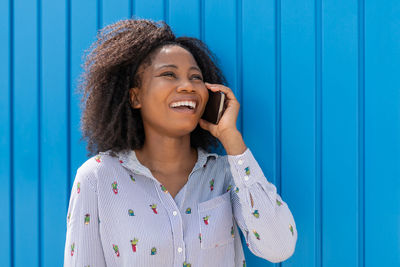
319	87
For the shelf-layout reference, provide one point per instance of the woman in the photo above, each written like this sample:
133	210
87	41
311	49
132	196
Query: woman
152	194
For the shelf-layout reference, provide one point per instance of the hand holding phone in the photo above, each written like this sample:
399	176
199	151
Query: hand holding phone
215	107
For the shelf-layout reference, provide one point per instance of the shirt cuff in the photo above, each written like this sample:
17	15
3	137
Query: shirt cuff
245	169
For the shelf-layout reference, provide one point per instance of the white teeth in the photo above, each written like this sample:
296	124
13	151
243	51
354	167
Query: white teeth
184	103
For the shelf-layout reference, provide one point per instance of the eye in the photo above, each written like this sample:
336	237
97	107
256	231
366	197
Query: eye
169	74
198	77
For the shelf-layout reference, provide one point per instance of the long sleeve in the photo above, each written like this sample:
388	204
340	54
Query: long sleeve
264	218
83	245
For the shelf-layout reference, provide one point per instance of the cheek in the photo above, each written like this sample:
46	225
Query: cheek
202	90
205	95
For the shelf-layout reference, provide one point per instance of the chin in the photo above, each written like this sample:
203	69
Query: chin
184	129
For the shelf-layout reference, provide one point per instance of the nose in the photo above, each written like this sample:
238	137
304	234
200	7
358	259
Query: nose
186	85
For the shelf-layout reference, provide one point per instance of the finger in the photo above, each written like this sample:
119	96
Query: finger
216	85
214	89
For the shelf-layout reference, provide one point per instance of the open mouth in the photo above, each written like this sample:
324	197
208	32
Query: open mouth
184	109
188	107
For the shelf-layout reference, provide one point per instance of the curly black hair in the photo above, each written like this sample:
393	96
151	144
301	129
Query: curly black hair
109	122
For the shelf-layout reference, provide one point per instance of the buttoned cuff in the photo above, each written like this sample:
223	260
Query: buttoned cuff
245	169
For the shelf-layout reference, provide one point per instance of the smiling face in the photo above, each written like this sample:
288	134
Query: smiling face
172	76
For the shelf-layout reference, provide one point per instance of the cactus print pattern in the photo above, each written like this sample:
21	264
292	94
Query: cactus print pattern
135	208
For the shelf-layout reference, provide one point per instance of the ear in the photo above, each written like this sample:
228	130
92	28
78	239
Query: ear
134	97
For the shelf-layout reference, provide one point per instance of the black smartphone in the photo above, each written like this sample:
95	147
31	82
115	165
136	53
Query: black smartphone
215	106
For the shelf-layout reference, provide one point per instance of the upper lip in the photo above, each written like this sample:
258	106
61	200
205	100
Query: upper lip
186	98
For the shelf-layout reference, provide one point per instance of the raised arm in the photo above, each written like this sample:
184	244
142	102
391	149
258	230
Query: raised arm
261	214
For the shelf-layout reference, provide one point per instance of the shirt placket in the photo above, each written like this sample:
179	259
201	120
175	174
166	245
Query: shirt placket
176	223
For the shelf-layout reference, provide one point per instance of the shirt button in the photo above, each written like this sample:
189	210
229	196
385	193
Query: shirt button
180	249
246	178
174	213
240	162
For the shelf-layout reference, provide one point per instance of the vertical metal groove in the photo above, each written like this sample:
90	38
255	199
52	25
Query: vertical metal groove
201	24
318	133
239	60
39	93
68	97
166	11
132	7
278	91
361	133
99	14
278	100
11	148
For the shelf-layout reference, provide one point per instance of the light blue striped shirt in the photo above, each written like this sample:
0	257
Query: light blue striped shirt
120	215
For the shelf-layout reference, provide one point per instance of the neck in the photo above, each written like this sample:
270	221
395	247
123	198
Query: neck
168	156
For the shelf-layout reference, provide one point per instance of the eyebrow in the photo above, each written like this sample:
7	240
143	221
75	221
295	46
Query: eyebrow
174	66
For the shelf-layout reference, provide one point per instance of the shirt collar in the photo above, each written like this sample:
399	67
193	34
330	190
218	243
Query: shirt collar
128	159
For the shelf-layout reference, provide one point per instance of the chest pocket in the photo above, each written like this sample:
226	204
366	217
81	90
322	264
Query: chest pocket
216	221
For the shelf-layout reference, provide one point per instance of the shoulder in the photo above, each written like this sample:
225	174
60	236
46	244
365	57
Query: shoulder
222	162
217	165
212	159
96	166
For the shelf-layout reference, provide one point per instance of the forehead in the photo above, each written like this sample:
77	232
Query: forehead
173	54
